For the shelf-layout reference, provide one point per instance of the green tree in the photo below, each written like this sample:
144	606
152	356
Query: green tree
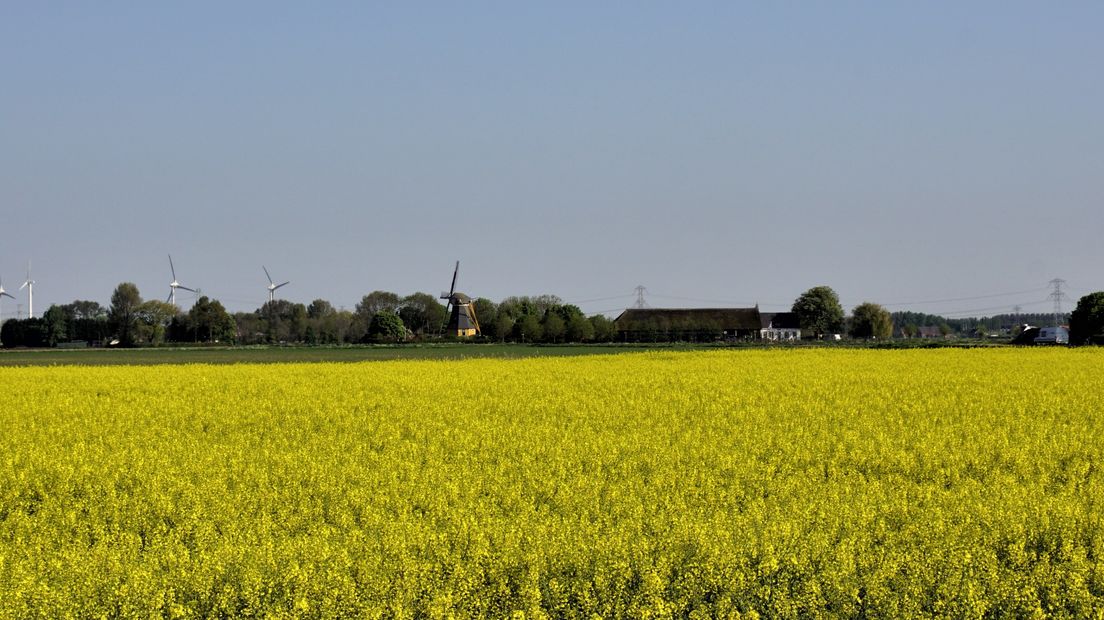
211	321
23	333
539	305
1087	320
57	325
553	327
386	326
285	321
543	303
123	314
819	311
154	319
319	309
250	328
580	329
422	313
513	307
869	320
528	328
604	329
377	301
567	311
86	320
503	326
486	311
338	328
84	310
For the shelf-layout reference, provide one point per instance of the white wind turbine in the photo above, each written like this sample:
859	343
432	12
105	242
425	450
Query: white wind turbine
29	285
3	294
272	286
174	284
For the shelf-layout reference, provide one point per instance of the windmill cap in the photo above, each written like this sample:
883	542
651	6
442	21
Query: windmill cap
460	298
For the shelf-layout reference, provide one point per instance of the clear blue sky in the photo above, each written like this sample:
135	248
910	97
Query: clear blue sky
715	153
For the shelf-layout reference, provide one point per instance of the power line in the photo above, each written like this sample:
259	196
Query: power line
705	301
973	311
611	310
587	301
721	301
952	299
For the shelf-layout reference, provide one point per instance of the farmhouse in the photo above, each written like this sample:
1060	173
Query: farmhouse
930	331
779	326
689	324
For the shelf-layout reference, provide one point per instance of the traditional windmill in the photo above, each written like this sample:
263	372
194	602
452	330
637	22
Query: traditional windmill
462	321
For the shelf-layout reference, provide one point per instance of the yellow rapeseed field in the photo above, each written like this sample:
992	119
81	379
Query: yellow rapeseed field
786	484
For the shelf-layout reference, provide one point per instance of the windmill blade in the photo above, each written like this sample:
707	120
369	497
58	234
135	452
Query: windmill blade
24	285
268	276
452	289
168	299
279	285
8	295
191	290
172	268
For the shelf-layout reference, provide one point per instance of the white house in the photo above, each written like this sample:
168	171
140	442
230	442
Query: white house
779	326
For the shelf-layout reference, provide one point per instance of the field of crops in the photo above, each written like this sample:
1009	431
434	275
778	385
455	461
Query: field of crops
706	484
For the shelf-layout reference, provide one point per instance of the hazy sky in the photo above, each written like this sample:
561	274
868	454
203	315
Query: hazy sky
726	153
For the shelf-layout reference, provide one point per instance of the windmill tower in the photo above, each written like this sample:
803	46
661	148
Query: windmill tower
462	320
29	285
175	285
272	286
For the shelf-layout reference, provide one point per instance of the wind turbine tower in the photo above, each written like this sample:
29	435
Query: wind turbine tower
272	286
174	284
29	285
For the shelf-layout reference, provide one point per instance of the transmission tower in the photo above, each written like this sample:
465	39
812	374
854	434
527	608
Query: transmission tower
1057	295
640	303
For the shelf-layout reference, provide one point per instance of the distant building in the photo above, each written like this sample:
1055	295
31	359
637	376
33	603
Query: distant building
779	326
688	324
1052	335
930	331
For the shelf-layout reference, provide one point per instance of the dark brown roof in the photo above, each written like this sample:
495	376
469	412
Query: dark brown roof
688	318
780	320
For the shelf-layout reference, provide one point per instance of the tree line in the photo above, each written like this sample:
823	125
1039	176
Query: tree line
380	316
820	313
383	316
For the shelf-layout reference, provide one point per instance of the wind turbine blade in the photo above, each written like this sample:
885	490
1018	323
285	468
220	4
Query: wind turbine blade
8	295
191	290
24	285
266	274
279	285
172	268
168	299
